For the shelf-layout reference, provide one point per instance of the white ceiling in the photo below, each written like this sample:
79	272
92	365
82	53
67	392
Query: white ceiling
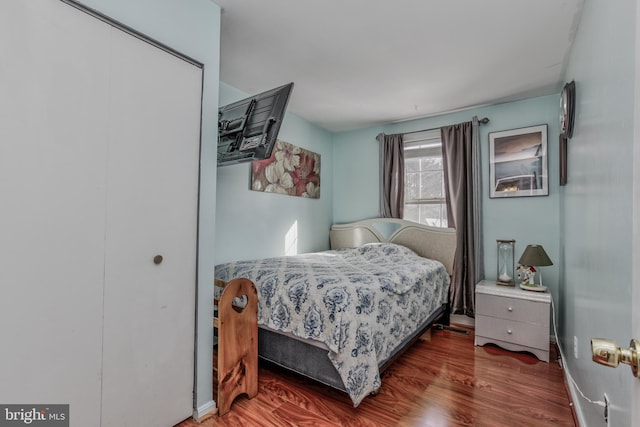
358	63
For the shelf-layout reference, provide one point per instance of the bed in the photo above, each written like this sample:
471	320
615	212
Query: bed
343	316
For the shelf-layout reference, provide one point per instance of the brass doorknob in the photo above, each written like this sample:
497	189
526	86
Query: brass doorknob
157	259
606	352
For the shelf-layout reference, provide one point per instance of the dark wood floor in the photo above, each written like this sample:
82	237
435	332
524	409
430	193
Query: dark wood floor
442	380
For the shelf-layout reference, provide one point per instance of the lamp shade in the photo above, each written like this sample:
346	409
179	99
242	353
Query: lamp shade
534	255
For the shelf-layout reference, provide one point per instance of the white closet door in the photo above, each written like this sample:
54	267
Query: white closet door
152	197
99	158
52	205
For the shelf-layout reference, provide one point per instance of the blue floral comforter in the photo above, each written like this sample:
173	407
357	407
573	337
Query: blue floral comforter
360	302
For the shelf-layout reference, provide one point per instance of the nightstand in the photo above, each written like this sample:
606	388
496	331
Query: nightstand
513	318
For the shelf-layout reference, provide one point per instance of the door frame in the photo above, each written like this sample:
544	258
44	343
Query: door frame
635	245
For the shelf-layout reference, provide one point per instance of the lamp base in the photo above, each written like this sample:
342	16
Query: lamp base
534	288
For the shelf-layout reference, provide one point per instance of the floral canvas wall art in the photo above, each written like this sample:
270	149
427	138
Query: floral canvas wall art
290	170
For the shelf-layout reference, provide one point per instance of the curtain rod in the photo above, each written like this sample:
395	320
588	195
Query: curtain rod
482	121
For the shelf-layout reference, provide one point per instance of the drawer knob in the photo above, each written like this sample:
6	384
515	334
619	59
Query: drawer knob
509	331
510	309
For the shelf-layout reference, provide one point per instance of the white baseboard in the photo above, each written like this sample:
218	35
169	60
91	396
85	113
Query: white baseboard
205	411
575	397
461	319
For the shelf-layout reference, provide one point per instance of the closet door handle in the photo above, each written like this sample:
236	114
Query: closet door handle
157	259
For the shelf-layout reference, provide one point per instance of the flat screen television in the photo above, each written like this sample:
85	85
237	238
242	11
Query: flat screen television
247	129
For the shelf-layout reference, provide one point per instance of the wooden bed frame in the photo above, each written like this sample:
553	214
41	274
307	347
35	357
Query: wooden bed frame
237	358
312	361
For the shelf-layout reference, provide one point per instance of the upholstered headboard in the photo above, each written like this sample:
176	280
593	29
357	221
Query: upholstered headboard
429	242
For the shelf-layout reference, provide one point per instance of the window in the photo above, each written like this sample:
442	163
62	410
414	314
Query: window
424	196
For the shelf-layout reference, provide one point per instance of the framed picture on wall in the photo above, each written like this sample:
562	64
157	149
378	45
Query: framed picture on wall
518	162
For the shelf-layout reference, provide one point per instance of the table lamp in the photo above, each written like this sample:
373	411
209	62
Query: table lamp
535	256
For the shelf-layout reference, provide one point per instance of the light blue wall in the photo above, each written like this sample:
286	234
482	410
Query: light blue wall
195	32
251	224
525	219
597	206
356	173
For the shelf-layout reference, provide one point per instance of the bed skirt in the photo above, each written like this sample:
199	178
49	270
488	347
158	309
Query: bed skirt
313	362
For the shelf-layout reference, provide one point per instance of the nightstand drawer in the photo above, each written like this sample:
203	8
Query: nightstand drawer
526	334
513	309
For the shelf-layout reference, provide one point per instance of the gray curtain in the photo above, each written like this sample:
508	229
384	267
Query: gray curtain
463	186
391	175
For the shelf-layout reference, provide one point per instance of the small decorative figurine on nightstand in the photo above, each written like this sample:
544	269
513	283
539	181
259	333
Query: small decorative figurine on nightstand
526	274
